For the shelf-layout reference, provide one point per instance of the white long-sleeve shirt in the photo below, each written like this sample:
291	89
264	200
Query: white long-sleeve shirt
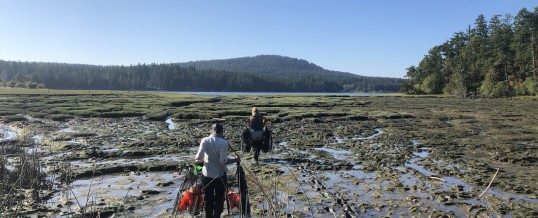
214	151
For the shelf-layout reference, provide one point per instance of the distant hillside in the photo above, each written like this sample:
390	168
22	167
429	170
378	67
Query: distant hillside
276	65
266	64
267	73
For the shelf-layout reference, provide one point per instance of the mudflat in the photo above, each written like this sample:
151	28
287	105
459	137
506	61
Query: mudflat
123	153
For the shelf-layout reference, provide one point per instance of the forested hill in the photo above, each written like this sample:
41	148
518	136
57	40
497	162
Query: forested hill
492	58
267	73
265	64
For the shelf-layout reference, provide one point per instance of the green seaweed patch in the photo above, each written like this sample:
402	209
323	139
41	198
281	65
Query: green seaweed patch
233	117
392	116
57	101
38	115
194	115
242	113
13	118
107	170
156	116
357	117
61	117
83	113
107	109
314	115
7	113
118	114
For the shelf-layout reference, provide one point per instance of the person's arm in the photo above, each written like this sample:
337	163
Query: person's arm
200	155
249	121
224	160
235	160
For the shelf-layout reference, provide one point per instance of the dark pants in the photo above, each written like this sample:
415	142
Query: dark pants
257	148
214	196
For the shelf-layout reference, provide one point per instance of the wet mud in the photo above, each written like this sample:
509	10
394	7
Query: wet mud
333	156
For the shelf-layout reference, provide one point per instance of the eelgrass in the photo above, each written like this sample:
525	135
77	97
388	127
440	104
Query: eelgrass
23	172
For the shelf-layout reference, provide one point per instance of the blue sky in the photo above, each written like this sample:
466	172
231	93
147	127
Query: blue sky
372	38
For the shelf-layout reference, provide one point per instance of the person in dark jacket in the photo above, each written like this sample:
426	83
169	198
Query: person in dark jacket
256	122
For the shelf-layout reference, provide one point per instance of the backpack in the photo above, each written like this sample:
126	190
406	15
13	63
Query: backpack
256	123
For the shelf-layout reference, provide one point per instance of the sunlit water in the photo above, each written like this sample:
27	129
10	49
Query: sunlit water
6	133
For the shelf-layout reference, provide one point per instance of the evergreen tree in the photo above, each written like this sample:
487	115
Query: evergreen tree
488	60
500	67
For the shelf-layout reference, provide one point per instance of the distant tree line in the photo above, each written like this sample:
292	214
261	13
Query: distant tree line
491	59
195	77
22	81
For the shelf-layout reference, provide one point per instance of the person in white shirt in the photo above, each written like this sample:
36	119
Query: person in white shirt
213	153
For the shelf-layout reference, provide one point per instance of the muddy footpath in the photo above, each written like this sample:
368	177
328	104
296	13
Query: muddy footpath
333	156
